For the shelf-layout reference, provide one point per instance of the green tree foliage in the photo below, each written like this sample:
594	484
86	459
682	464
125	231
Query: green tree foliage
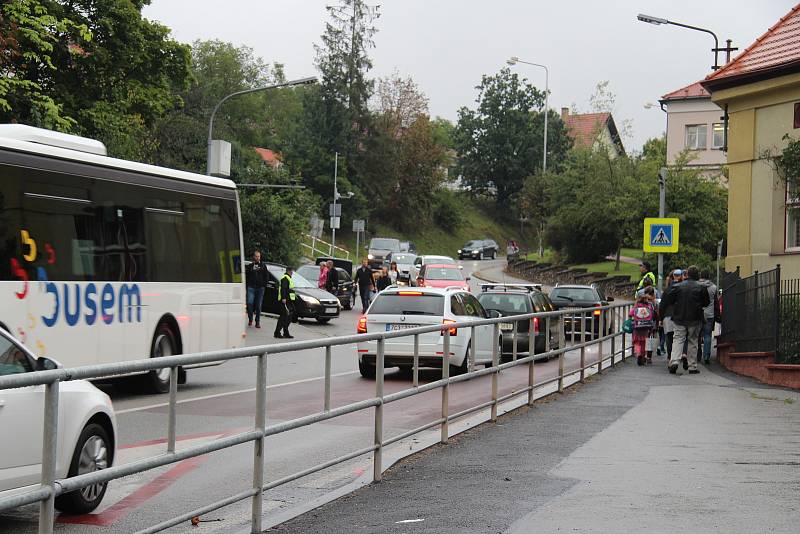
500	143
30	36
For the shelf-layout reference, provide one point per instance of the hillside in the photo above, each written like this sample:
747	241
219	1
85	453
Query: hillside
479	223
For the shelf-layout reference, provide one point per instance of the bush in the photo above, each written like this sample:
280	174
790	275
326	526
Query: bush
448	213
582	237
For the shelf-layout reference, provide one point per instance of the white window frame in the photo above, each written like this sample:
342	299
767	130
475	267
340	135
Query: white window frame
698	138
714	144
792	204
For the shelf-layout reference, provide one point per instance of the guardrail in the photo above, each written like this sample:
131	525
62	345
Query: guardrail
610	319
318	247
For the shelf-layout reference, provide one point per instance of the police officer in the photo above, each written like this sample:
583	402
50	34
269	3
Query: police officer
286	297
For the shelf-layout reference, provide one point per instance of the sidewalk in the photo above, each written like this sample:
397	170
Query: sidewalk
636	450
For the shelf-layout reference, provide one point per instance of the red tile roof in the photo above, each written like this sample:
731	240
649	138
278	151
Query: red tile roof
583	128
694	90
777	49
269	156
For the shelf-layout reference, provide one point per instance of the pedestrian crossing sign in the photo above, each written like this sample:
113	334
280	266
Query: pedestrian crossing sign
661	235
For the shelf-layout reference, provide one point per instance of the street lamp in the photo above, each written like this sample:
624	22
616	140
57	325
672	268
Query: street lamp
659	21
292	83
513	61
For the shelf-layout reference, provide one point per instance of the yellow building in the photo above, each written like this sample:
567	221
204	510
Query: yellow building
760	91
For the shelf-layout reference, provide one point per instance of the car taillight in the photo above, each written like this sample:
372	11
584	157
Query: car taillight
362	325
535	323
453	331
421	283
597	312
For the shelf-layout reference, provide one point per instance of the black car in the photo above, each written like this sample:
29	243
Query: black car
346	292
584	298
518	299
311	302
478	249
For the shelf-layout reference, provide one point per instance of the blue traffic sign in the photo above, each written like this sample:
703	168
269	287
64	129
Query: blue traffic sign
661	235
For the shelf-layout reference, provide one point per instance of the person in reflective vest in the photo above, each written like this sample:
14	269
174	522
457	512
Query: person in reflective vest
286	297
647	274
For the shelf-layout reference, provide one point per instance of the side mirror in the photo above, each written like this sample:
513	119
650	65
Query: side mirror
610	299
494	314
468	279
46	364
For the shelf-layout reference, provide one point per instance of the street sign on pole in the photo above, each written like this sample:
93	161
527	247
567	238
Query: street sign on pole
317	226
335	210
661	235
335	222
358	225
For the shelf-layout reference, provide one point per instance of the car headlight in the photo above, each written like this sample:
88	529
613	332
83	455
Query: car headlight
370	257
310	300
459	251
476	251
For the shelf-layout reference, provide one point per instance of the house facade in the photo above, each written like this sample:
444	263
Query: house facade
596	131
760	91
695	124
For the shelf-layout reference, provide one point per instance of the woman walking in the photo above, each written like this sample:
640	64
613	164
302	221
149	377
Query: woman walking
643	315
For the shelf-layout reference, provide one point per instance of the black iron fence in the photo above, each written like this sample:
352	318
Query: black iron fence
761	313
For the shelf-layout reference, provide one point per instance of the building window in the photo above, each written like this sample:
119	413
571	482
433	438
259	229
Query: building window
718	140
792	220
696	136
797	115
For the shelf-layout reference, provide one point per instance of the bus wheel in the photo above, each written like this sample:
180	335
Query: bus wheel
157	381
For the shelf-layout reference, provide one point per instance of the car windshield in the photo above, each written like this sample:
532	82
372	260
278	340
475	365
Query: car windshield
444	273
385	244
573	293
277	271
507	304
309	272
439	259
404	258
400	304
473	244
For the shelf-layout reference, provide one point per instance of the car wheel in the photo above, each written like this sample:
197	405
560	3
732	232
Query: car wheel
92	453
323	320
464	367
494	254
164	344
366	370
481	256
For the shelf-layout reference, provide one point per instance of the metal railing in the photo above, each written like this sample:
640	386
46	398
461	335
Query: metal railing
318	247
610	319
750	317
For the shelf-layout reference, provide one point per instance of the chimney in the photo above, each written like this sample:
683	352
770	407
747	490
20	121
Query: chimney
564	113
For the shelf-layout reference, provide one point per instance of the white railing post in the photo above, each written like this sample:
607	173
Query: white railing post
377	464
49	452
327	402
173	405
446	386
495	363
258	445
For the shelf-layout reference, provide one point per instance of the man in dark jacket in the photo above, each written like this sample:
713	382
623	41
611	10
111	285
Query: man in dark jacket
332	282
366	284
255	275
286	298
687	300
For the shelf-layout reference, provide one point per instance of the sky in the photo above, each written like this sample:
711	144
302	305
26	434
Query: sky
447	45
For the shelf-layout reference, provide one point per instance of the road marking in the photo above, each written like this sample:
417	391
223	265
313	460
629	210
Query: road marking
228	393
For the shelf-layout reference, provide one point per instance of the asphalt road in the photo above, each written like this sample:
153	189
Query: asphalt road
220	400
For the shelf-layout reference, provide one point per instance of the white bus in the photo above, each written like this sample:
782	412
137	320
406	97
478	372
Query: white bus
104	260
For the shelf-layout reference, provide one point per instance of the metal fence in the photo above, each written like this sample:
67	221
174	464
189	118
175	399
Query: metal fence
750	311
51	487
788	350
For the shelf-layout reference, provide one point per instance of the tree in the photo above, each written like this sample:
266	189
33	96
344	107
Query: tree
399	102
29	35
500	143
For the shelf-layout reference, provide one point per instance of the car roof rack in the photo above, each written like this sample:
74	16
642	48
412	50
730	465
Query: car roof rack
506	286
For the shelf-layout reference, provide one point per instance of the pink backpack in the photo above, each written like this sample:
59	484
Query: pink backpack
643	316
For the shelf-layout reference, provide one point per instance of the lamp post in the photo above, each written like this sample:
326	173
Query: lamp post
292	83
513	61
657	21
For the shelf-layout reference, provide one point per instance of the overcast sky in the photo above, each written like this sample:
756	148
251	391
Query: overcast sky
446	45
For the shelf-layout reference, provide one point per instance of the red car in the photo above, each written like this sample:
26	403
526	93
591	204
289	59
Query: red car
442	275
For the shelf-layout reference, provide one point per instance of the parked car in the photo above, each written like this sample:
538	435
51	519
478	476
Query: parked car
400	308
379	248
346	292
311	302
478	249
405	264
87	431
419	261
581	297
408	246
442	275
519	299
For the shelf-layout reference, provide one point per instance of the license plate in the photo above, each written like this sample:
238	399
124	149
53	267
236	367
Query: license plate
391	327
506	327
331	310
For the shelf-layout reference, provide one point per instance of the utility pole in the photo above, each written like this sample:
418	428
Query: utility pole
662	201
335	197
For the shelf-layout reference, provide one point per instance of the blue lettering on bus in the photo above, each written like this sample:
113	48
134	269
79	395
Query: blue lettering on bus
69	300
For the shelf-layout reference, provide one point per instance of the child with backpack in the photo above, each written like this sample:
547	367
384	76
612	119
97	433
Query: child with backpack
643	315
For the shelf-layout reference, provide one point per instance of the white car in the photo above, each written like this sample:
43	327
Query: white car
399	309
86	431
419	261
